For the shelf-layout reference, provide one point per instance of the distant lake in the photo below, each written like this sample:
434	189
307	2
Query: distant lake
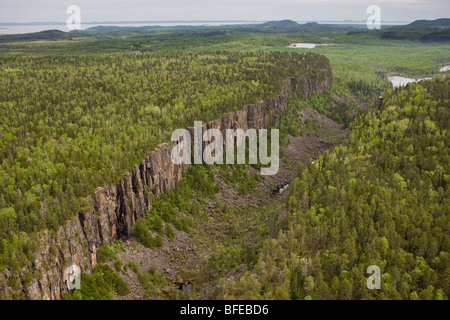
308	45
399	81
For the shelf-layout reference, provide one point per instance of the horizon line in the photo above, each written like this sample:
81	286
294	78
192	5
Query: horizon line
190	21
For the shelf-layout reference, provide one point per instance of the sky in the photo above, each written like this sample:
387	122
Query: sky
223	10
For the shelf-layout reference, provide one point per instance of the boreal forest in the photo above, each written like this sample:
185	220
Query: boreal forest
87	179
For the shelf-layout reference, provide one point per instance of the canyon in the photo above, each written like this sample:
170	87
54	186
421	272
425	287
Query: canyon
115	208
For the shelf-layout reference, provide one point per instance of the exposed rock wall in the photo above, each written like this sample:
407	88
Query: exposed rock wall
116	208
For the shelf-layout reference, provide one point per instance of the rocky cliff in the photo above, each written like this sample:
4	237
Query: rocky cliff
115	209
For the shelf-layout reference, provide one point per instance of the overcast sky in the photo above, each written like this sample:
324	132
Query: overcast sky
215	10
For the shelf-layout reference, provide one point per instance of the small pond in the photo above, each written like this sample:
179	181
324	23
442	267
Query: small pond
400	81
307	45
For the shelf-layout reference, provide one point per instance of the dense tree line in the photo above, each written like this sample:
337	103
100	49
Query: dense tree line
69	124
381	198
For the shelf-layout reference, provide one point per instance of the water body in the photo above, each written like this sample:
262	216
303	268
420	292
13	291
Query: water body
445	68
308	45
399	81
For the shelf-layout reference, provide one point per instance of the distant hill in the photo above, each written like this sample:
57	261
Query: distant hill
310	25
51	35
283	24
443	22
420	30
289	24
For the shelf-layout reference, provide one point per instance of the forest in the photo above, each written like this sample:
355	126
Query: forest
79	110
70	124
381	198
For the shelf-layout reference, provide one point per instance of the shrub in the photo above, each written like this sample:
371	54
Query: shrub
169	232
142	233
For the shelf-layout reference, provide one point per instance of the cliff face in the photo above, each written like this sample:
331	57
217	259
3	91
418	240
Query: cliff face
116	208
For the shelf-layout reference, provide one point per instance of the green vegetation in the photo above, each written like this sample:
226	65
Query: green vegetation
109	251
100	285
381	198
144	236
421	30
79	110
72	123
156	284
182	207
172	207
52	35
237	175
360	58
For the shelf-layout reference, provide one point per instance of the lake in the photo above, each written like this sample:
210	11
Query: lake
308	45
400	81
